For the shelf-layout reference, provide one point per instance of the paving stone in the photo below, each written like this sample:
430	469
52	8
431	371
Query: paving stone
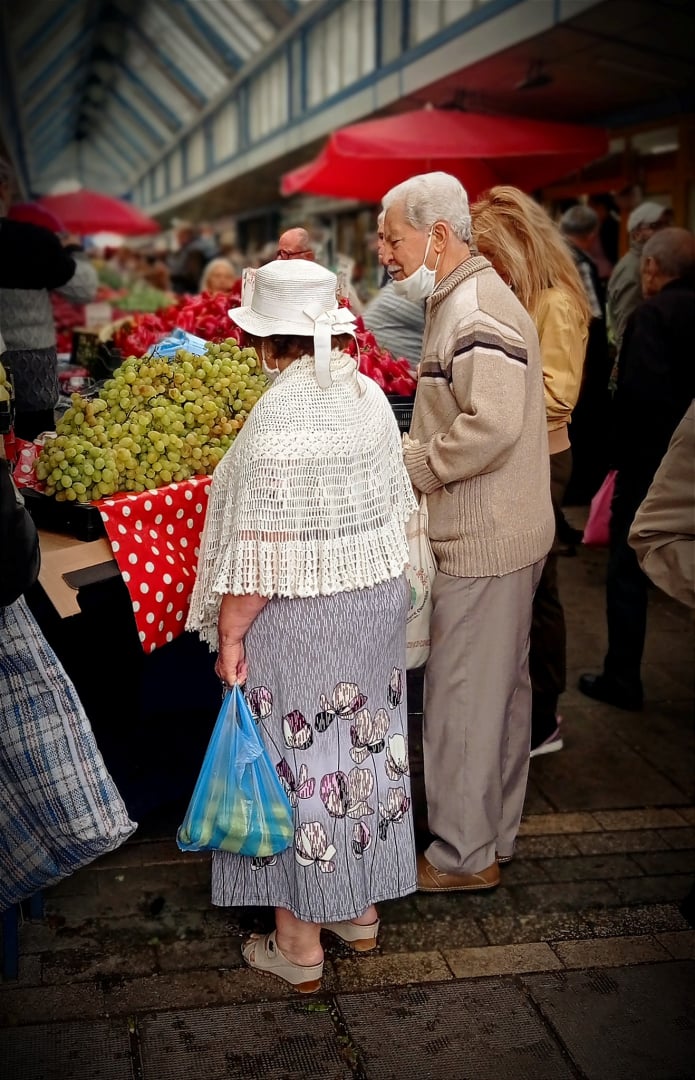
681	945
482	1029
535	801
94	1051
654	890
421	936
29	974
501	959
181	990
525	871
665	736
625	841
278	1041
654	817
594	868
570	896
86	963
679	838
610	952
79	884
42	1004
552	824
582	777
688	813
393	969
666	862
640	1019
547	847
556	926
200	955
462	905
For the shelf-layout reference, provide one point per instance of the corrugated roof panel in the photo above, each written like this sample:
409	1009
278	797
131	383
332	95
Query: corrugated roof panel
181	52
165	89
229	20
131	96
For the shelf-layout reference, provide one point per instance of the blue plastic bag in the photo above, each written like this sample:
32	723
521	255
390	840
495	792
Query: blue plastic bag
238	803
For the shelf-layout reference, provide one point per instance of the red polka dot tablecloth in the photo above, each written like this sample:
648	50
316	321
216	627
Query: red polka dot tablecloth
155	536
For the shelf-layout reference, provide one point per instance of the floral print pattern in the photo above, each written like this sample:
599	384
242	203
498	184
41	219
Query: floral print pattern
339	748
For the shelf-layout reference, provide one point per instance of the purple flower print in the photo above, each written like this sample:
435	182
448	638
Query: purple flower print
361	839
367	734
346	701
395	691
260	702
396	758
394	810
334	793
302	788
311	847
296	732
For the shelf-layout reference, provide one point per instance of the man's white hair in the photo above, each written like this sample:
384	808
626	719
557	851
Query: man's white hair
430	197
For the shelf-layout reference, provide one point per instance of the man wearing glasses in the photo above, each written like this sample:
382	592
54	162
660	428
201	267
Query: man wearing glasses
295	244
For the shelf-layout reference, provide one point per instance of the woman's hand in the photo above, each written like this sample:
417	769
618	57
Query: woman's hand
231	666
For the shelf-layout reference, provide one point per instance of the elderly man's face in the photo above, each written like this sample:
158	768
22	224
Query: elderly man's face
404	246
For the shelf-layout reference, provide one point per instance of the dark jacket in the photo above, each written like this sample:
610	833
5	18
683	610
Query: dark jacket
32	257
20	558
656	380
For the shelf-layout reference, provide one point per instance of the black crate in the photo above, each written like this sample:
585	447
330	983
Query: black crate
81	520
402	409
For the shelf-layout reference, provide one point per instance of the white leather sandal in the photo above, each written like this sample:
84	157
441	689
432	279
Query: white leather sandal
359	938
261	953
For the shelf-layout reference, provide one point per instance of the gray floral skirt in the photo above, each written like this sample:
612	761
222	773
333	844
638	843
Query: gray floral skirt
327	687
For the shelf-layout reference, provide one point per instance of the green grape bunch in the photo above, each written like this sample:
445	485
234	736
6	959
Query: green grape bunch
155	421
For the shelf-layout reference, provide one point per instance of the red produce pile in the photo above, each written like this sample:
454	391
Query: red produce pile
205	316
392	375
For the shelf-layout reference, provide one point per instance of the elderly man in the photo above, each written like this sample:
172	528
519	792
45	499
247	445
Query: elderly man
656	384
295	244
624	288
479	451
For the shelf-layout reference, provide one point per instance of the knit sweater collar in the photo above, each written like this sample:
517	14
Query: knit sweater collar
473	265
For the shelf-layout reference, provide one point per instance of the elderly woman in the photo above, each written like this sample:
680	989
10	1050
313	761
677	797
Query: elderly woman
218	276
300	586
528	251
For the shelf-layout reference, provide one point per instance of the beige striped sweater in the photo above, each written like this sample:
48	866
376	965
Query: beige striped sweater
480	428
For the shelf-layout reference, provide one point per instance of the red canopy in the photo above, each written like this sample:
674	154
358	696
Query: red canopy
364	160
35	215
87	212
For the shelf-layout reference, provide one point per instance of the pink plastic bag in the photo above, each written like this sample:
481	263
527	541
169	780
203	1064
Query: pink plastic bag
597	528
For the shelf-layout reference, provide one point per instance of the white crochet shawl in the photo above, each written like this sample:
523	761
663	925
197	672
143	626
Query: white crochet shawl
311	499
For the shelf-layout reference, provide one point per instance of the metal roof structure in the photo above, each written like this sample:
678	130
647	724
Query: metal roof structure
92	89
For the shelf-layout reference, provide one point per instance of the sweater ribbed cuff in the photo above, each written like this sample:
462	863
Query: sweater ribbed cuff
420	474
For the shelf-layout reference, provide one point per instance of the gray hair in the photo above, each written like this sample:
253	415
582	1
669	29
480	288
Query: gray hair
579	221
673	251
430	197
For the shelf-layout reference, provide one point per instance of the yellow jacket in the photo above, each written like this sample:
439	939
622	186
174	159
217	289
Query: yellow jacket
563	335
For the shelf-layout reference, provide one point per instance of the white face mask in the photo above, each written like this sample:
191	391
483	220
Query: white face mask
271	373
421	282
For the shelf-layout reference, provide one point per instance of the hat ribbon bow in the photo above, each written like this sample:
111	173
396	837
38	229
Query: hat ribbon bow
327	322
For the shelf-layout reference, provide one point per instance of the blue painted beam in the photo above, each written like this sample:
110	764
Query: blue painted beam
62	114
170	68
215	40
48	28
152	132
169	117
50	100
131	139
68	51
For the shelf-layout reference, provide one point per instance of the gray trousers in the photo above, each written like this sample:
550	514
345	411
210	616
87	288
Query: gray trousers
477	716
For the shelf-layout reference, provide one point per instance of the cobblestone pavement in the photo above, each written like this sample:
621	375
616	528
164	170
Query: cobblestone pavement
579	965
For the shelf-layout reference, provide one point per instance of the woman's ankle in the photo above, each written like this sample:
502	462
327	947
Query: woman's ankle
367	918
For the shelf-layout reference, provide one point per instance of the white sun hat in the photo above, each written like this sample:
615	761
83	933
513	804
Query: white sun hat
297	297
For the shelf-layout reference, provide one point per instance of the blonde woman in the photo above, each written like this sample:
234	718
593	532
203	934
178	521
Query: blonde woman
528	252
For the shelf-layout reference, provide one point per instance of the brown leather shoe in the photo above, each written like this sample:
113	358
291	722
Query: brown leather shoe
430	879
